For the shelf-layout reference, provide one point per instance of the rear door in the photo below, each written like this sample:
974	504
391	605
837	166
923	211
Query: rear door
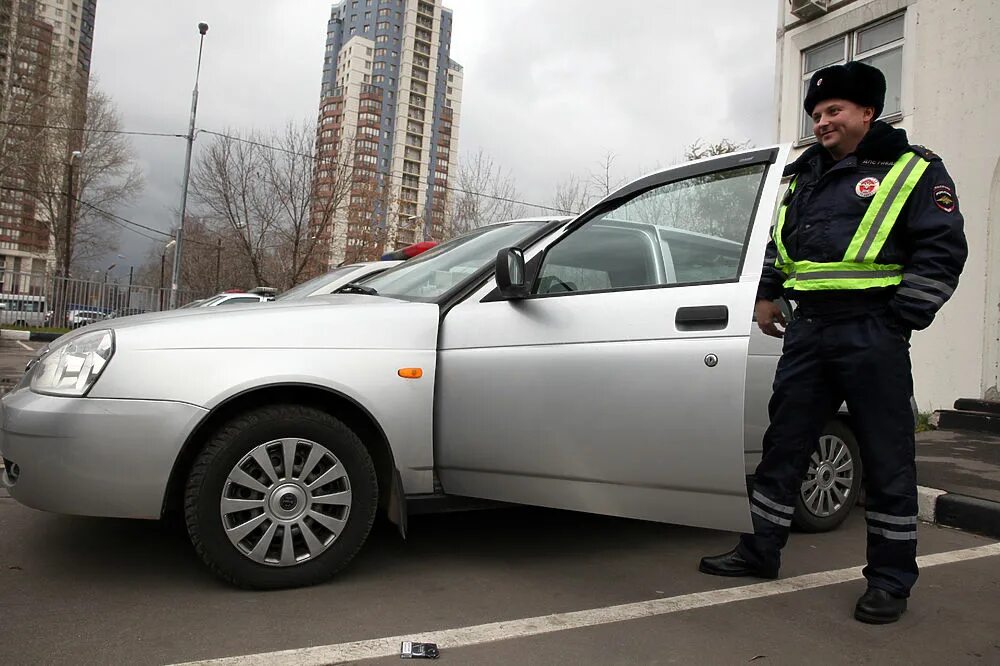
617	387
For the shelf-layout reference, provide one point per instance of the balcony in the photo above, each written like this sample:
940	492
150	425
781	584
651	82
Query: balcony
426	9
425	22
369	91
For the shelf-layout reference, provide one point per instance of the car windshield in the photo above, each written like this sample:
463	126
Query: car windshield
435	272
304	289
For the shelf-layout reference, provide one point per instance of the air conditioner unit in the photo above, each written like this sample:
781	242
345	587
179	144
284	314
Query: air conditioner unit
808	10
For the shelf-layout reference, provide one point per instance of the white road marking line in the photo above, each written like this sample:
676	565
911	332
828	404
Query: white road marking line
28	347
533	626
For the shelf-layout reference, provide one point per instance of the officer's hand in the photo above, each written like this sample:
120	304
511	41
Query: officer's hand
768	313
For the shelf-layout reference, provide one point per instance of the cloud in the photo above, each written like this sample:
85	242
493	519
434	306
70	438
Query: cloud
550	85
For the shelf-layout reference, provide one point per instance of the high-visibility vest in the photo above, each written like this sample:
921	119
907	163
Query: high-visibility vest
858	269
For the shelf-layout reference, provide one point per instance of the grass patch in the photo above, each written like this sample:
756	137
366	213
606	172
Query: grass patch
924	422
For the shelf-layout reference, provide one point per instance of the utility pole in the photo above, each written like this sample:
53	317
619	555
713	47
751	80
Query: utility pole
128	297
175	279
218	262
68	235
163	257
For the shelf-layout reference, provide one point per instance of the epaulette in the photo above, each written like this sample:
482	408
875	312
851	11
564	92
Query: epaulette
925	153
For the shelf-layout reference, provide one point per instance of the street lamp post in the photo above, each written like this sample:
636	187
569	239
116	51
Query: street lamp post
179	238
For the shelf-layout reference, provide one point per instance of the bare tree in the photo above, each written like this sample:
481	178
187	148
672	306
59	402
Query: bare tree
107	177
573	195
486	193
275	200
603	181
308	192
228	182
75	206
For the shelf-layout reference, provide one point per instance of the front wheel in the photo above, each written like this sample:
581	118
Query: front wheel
281	496
833	481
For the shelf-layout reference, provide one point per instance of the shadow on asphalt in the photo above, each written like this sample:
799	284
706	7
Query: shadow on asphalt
136	553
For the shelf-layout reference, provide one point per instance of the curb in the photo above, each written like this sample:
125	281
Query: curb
963	512
11	334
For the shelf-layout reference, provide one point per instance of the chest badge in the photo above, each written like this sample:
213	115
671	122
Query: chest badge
866	187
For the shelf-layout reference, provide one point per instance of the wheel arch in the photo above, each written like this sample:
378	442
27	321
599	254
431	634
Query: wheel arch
392	499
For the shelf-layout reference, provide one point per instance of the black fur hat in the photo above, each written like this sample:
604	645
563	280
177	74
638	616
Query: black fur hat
856	82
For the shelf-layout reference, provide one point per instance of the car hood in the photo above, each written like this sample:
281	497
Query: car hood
343	321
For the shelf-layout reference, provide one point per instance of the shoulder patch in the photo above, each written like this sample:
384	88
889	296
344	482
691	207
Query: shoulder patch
925	153
944	198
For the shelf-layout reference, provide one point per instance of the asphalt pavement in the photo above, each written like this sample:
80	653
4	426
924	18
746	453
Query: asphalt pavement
100	591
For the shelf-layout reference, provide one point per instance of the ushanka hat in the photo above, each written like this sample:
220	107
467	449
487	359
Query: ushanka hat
856	82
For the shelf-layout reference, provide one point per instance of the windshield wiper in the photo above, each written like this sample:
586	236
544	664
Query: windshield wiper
357	288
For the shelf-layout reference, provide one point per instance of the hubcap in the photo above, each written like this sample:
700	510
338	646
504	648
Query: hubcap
830	478
285	502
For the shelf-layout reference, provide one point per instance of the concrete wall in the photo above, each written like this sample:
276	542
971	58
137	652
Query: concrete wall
951	55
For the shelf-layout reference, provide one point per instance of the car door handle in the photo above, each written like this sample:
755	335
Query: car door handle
702	318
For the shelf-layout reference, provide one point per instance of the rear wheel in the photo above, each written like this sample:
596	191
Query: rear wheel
833	481
281	496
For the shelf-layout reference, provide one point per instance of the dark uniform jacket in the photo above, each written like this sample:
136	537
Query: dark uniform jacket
826	208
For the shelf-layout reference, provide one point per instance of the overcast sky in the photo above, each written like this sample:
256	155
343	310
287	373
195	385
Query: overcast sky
550	85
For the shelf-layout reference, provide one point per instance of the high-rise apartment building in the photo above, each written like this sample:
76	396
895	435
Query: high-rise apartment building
388	126
45	50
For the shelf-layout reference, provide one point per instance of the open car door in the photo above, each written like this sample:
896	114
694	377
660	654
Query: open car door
616	386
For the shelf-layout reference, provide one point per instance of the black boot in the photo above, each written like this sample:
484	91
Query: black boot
879	607
732	564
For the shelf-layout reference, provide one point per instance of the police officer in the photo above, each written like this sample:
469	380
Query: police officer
869	243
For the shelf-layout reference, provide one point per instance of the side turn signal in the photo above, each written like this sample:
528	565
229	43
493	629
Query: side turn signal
410	373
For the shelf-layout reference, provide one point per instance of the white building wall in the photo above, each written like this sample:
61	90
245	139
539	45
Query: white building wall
951	55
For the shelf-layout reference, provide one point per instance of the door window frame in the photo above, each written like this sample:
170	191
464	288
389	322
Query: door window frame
765	157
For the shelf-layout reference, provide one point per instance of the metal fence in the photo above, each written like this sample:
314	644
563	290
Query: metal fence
30	300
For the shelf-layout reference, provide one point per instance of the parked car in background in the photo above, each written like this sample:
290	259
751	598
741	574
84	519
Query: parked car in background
24	310
233	298
335	279
126	312
78	318
606	363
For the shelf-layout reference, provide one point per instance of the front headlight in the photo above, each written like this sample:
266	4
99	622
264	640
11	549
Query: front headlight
71	369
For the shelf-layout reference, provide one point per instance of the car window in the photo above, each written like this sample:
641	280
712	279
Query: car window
689	231
239	299
435	272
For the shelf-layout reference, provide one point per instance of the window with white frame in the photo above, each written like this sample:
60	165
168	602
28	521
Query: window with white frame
879	45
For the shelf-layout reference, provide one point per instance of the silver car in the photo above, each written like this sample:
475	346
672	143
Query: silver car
606	363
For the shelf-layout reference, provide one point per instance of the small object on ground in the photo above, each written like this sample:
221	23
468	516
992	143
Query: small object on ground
410	650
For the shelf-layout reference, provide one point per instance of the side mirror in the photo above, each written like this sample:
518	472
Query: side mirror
510	272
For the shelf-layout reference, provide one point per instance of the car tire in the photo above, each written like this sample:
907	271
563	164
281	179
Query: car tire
307	525
834	471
